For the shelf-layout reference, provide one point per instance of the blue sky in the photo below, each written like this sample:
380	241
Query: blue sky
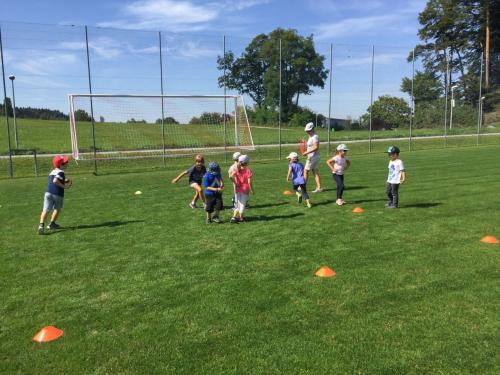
47	54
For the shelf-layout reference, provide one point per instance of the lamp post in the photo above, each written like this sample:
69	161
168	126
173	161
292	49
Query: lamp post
452	105
12	78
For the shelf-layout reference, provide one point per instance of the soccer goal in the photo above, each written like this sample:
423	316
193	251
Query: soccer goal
135	126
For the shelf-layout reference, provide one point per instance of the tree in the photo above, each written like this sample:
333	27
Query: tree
167	120
426	86
8	103
81	115
388	112
257	71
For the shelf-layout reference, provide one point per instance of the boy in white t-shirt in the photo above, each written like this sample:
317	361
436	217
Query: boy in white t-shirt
397	176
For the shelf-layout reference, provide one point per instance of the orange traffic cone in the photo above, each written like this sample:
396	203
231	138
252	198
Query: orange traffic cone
358	210
325	271
287	193
489	239
47	334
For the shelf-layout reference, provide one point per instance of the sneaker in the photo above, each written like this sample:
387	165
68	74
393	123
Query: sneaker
388	205
317	190
338	202
309	205
41	229
192	205
234	220
391	206
217	220
53	226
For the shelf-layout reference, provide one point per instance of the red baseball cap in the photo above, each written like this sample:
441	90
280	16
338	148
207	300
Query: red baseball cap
59	160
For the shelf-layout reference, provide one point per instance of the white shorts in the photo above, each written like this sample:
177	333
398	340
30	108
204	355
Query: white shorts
52	202
241	202
312	164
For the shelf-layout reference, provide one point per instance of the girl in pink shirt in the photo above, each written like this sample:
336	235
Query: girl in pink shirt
242	179
339	164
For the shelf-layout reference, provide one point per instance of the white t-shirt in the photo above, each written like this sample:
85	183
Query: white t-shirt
340	164
310	143
395	169
232	169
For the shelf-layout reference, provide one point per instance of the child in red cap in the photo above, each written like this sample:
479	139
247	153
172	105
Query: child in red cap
54	195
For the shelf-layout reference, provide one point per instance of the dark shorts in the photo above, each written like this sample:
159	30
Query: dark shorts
214	202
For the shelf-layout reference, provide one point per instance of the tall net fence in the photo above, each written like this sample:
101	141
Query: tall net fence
370	96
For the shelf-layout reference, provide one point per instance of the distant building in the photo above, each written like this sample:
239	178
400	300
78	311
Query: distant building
336	123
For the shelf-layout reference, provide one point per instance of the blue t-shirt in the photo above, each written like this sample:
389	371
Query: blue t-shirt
213	181
53	188
297	173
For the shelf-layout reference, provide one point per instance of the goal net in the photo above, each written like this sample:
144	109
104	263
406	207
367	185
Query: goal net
134	126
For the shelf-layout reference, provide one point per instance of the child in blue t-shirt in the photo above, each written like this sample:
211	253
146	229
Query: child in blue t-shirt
54	195
296	170
214	186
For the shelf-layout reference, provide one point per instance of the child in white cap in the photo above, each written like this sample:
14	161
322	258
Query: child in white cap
296	172
338	165
230	171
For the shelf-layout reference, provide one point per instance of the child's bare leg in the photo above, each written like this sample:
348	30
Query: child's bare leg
55	215
43	216
317	179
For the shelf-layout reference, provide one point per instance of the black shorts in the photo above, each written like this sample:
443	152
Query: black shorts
214	202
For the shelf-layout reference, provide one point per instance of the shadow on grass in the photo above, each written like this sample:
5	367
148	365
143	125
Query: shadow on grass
355	187
272	217
366	200
421	205
109	224
322	203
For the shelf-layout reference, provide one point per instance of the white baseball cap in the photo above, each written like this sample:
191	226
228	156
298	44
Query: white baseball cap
244	159
292	155
342	147
309	127
236	155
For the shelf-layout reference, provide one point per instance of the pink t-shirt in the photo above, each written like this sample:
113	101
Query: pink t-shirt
241	180
340	164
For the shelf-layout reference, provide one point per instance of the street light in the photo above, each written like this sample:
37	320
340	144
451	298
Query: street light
12	78
452	105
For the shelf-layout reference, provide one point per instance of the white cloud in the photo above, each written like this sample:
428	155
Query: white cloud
164	14
352	26
46	64
193	50
176	15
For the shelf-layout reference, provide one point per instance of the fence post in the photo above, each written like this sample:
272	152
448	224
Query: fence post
371	103
11	174
412	104
162	105
91	104
480	103
225	99
446	84
279	111
330	98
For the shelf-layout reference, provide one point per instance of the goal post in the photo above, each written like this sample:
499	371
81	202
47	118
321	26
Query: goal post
135	126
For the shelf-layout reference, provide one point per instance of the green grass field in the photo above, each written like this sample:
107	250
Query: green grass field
48	136
141	285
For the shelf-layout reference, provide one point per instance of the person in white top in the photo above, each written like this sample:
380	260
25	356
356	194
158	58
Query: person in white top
233	168
339	164
312	153
397	176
